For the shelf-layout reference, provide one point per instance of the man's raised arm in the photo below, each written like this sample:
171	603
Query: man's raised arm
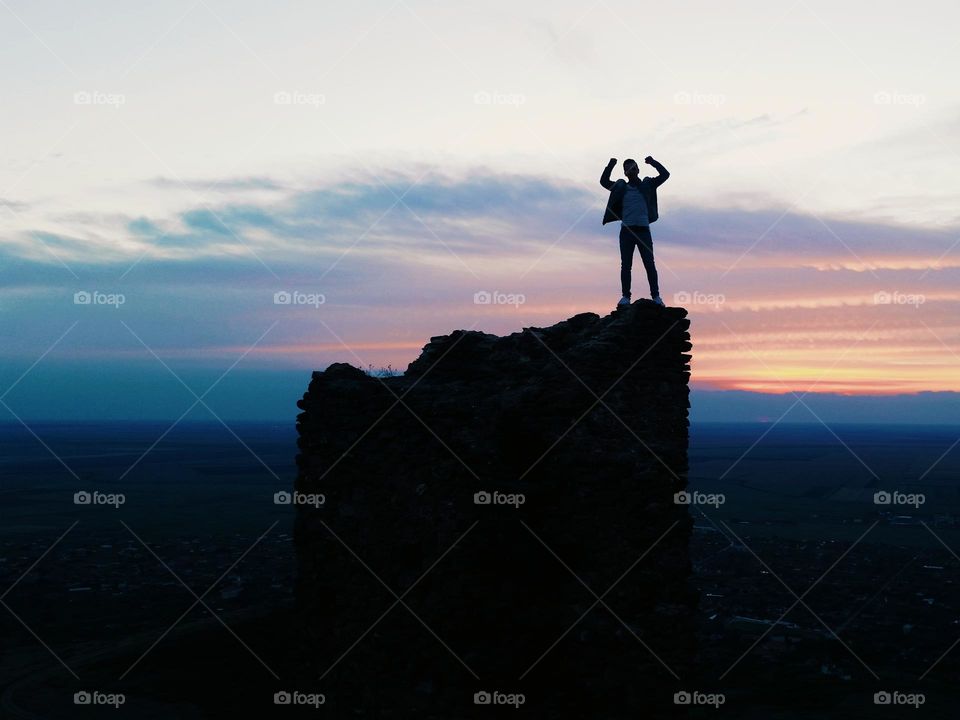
661	178
605	176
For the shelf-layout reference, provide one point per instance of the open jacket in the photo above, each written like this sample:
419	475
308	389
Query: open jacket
648	186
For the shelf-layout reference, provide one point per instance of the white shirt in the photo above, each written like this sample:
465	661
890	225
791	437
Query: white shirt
634	207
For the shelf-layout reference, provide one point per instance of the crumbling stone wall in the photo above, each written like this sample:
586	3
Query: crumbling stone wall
498	488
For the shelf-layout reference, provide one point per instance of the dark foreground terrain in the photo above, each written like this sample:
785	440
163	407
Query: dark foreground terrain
794	504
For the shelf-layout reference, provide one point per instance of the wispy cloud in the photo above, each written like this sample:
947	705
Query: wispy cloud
222	184
480	213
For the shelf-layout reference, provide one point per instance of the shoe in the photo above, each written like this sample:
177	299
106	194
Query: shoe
625	300
657	300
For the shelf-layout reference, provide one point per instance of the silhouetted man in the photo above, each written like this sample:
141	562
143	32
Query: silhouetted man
634	203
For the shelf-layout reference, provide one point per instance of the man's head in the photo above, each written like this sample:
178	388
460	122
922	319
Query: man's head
631	169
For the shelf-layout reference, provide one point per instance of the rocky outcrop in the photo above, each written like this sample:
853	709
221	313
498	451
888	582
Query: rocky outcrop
500	519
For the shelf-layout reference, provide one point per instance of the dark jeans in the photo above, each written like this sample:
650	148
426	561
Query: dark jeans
639	236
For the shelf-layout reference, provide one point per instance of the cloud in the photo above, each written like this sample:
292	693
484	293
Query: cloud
803	239
200	282
726	133
222	185
13	205
481	214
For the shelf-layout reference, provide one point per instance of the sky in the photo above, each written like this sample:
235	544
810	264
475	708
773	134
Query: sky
174	172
